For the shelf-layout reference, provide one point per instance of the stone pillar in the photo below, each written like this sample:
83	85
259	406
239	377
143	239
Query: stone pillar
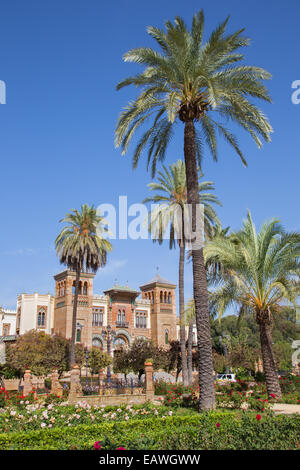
75	386
101	380
149	380
56	387
27	388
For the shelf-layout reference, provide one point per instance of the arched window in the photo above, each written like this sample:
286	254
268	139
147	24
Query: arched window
123	317
41	318
166	336
169	298
97	343
85	289
161	297
119	317
73	288
165	297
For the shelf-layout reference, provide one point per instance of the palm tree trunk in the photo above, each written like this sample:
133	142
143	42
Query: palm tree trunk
269	363
206	382
75	301
181	312
190	352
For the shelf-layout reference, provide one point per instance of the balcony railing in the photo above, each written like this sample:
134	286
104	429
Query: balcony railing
122	324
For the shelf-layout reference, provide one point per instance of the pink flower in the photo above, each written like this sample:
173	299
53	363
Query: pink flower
218	425
97	445
120	448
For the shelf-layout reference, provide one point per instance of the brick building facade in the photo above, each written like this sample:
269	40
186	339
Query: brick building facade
152	316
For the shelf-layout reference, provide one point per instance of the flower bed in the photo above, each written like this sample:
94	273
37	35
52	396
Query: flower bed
41	415
214	430
235	395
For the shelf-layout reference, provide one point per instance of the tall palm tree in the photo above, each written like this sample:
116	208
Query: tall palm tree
258	272
192	81
171	197
189	313
81	246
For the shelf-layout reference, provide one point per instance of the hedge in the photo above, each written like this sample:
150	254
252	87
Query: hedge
214	430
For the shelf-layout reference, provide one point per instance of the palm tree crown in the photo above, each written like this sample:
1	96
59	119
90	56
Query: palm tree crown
171	195
190	80
81	245
257	271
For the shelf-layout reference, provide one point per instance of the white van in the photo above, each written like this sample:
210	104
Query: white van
226	378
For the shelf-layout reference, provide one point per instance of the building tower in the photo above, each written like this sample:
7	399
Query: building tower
161	294
63	310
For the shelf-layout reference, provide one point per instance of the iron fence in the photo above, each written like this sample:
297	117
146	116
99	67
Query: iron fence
116	386
91	385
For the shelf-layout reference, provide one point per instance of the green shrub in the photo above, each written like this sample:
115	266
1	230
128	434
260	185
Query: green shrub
9	372
3	398
214	430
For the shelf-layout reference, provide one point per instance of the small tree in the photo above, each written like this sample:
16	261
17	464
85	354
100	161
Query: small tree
141	350
98	360
122	361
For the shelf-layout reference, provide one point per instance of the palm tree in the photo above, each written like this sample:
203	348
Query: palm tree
190	317
258	271
191	81
171	195
81	246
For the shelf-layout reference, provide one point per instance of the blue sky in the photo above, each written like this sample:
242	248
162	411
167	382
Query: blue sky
60	61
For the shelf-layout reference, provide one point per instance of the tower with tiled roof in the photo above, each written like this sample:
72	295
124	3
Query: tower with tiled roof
161	294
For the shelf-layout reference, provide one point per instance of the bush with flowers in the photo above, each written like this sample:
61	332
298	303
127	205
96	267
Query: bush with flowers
34	416
3	397
54	398
16	399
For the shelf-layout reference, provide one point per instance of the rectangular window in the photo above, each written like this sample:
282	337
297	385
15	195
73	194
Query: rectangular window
98	316
6	328
78	335
141	320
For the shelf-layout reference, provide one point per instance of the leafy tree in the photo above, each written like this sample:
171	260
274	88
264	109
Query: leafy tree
171	196
81	246
259	270
191	81
39	352
122	361
219	362
141	350
98	360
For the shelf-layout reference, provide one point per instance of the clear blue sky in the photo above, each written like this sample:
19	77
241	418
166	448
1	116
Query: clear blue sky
60	61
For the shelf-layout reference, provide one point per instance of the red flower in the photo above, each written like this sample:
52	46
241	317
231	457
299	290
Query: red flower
120	448
258	417
218	425
97	445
